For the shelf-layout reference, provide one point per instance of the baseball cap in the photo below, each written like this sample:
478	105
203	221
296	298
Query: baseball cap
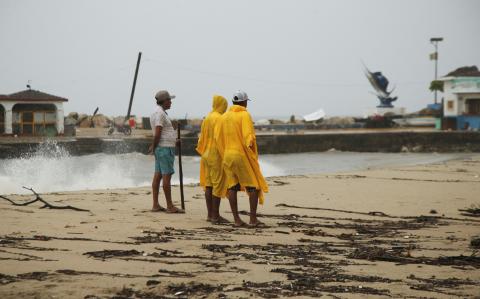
240	96
163	95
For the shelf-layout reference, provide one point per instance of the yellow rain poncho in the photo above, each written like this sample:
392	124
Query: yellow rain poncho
211	173
237	145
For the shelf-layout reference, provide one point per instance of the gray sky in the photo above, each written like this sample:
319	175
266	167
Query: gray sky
291	57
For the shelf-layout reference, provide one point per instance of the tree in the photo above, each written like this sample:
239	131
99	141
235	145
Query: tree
436	85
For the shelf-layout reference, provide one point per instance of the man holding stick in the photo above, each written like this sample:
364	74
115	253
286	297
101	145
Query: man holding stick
163	148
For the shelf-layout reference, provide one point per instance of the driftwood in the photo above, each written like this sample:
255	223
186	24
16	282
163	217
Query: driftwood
45	204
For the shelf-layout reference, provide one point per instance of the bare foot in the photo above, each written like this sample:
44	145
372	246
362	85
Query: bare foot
240	224
220	220
174	210
257	224
158	209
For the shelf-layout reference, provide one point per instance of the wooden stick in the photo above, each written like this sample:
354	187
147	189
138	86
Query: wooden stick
180	166
45	204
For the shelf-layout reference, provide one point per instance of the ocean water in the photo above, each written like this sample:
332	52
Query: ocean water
52	169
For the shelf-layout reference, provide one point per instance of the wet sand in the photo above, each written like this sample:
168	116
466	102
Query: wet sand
396	232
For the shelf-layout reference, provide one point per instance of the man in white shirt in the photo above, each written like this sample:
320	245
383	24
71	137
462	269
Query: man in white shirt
163	148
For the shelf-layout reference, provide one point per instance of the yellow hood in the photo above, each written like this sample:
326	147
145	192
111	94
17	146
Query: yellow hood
219	104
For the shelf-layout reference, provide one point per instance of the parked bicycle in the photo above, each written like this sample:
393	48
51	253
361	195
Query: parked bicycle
125	129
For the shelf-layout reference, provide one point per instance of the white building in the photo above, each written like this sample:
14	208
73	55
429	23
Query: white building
461	104
31	113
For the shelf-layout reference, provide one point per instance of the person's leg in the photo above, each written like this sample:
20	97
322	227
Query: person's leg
216	218
232	198
253	198
166	158
167	190
208	201
157	177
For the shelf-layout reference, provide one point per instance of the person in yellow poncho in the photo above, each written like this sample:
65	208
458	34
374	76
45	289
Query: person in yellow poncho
211	174
236	143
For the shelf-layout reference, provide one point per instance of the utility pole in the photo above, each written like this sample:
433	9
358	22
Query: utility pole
133	87
434	56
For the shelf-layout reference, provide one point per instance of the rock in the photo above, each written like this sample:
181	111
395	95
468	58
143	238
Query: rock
339	121
85	122
70	121
276	122
101	121
73	115
81	118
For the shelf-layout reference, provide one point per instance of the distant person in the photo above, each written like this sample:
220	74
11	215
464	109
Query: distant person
466	126
237	145
211	173
163	148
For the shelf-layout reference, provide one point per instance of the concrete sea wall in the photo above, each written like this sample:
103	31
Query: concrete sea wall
273	144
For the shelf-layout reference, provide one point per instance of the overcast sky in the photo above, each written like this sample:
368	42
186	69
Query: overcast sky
291	57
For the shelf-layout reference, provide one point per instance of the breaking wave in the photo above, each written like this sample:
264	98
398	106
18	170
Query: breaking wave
51	168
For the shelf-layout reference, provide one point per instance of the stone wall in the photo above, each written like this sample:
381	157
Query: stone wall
276	144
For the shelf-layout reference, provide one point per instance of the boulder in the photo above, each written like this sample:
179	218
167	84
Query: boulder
73	115
340	121
70	121
81	118
101	121
276	121
85	122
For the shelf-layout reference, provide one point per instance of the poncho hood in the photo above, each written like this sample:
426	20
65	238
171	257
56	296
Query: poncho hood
219	104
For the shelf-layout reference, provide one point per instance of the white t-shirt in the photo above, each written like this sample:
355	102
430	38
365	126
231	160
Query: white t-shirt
168	136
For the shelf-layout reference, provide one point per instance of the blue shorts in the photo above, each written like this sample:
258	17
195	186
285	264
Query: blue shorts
164	157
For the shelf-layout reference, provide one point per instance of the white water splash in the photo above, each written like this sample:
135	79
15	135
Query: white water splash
52	169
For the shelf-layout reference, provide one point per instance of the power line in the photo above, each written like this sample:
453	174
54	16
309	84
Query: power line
261	80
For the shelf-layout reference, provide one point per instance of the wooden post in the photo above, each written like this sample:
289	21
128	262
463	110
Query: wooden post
180	170
134	84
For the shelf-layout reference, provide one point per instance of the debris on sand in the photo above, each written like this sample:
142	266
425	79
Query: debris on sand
472	211
193	289
437	285
375	253
475	242
104	254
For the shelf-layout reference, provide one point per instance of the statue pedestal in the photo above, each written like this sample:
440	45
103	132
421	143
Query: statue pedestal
384	110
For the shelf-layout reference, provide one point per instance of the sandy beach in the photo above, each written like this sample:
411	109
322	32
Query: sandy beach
393	232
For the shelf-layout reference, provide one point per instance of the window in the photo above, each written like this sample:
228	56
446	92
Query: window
39	117
16	118
50	117
450	105
27	117
473	106
2	120
38	123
